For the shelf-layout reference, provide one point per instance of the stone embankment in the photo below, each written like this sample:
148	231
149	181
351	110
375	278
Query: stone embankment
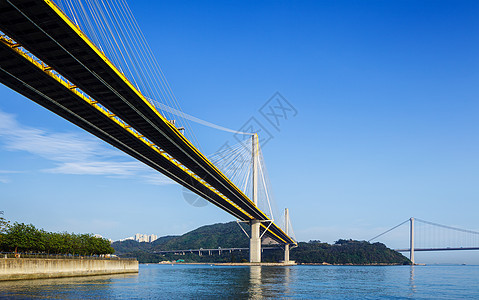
35	268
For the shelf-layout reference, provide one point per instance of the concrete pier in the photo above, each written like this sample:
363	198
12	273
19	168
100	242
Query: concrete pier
286	253
36	268
286	228
255	240
255	243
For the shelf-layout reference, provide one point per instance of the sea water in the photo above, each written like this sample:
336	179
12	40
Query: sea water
257	282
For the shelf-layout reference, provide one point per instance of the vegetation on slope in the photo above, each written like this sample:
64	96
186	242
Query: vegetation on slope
229	235
344	252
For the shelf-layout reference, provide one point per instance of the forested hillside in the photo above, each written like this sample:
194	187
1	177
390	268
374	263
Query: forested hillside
230	235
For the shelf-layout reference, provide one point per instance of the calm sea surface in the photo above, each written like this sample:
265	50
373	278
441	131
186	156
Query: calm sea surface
221	282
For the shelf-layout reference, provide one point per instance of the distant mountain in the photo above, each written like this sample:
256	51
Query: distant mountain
230	235
164	239
225	235
127	246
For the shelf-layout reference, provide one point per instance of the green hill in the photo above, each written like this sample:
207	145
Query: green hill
224	235
230	235
343	252
131	245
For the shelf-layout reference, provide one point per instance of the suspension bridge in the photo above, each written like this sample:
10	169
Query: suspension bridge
88	62
429	236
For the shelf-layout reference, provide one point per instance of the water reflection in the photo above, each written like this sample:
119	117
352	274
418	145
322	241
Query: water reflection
412	284
255	282
161	281
70	287
255	287
269	282
287	280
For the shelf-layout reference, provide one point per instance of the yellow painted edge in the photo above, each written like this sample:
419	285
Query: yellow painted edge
48	70
67	20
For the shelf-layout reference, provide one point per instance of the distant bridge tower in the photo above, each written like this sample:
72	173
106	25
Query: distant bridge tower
255	240
411	240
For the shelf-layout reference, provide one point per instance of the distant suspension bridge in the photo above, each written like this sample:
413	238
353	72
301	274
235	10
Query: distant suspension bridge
429	236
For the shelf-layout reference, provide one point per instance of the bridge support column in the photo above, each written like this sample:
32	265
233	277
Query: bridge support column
255	242
286	253
411	241
286	227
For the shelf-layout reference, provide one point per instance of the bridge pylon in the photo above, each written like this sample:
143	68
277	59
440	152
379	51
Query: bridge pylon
255	239
411	240
286	227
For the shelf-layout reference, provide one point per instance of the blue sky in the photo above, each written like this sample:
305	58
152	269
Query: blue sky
386	94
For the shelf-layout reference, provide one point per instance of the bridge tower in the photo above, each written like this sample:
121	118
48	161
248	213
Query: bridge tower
411	240
255	240
286	228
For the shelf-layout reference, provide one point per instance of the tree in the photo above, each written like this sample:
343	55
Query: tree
27	238
22	237
4	225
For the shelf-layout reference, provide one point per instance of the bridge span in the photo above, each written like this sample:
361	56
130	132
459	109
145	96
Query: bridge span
438	237
438	249
48	59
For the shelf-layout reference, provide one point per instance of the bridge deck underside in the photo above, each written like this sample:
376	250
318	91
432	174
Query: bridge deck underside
22	76
44	32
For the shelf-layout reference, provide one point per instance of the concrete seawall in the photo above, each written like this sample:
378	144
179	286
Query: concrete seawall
35	268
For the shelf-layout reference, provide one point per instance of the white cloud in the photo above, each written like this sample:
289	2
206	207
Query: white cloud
9	172
52	146
98	168
73	153
6	180
157	179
